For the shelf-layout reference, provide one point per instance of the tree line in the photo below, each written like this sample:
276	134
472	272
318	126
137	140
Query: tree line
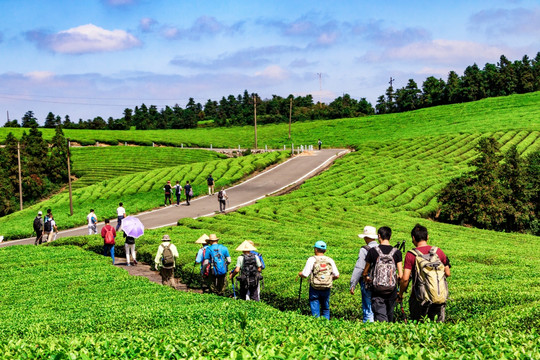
501	193
43	168
501	79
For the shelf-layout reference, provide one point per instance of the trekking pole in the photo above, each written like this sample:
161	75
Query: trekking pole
233	289
300	292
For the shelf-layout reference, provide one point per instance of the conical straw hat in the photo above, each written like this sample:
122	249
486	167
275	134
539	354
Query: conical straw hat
202	239
246	246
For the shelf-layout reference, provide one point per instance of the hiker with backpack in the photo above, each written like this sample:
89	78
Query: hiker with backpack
92	222
47	226
370	236
429	267
108	233
165	261
210	183
263	266
199	258
380	273
38	228
188	190
222	199
216	259
321	271
53	229
249	266
178	192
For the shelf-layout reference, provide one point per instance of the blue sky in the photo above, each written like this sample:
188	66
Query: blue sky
96	57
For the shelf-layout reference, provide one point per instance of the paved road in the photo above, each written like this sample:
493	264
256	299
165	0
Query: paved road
293	171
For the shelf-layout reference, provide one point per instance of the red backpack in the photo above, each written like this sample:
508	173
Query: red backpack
109	237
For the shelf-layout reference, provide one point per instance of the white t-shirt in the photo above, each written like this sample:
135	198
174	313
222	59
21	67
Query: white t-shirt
121	211
89	218
53	224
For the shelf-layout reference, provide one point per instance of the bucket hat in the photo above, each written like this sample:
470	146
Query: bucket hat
166	238
202	239
213	237
246	246
369	232
320	245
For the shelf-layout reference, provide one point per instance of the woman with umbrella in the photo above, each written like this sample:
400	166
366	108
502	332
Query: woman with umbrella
133	228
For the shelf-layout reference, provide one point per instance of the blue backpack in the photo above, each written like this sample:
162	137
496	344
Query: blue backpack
259	255
218	262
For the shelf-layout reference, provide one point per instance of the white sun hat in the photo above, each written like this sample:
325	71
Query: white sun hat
202	239
369	232
246	246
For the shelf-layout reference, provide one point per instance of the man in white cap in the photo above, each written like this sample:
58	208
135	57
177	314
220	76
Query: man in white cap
165	261
249	265
370	237
38	228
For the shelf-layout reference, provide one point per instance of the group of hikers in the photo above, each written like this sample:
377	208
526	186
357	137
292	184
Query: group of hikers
45	228
380	270
188	192
213	259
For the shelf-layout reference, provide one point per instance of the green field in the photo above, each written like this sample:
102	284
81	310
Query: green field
139	192
94	164
514	112
400	163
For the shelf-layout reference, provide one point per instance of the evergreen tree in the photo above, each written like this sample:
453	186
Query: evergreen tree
28	120
50	121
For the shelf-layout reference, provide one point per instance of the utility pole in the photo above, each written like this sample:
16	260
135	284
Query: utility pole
290	117
255	116
69	180
20	177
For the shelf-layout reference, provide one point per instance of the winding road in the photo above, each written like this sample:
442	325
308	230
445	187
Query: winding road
288	174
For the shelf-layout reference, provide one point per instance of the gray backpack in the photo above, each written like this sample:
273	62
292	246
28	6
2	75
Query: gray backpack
384	272
321	276
167	259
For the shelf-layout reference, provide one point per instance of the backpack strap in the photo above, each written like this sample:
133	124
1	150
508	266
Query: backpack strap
392	252
378	249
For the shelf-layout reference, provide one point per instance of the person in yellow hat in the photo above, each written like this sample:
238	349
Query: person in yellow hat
249	266
165	261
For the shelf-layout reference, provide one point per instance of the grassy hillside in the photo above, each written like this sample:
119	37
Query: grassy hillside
139	192
514	112
94	164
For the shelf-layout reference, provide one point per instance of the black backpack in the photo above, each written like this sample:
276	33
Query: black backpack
250	272
167	258
48	225
37	224
220	195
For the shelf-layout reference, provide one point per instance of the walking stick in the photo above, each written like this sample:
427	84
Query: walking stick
300	292
233	289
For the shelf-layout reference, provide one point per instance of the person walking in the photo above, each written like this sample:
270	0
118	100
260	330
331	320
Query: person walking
47	226
218	259
53	230
165	261
210	183
129	247
322	271
369	235
319	143
263	266
168	190
430	288
38	228
188	191
178	192
249	266
222	199
383	261
121	213
108	233
92	222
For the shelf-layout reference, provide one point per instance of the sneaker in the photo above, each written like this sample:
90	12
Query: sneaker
134	262
128	264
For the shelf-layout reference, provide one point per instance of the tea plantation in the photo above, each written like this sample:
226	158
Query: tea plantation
61	301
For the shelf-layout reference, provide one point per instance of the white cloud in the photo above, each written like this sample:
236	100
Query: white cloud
85	39
438	51
39	75
273	72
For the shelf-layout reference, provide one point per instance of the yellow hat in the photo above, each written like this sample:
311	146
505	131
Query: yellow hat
202	239
246	246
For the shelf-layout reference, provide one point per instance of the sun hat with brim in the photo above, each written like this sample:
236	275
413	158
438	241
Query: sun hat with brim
369	232
213	237
202	239
166	238
321	245
246	246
